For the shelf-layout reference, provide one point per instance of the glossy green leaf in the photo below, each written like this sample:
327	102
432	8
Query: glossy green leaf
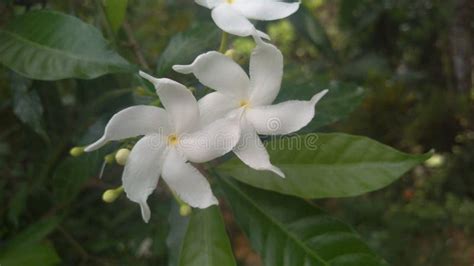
177	230
185	46
48	45
115	11
327	165
27	105
336	105
206	241
288	231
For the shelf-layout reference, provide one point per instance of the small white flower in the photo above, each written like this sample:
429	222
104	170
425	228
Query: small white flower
171	139
253	97
233	16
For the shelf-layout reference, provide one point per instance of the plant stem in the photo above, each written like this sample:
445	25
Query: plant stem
135	46
224	41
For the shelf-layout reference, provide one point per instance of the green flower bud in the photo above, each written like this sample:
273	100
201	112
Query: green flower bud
185	210
76	151
111	195
121	156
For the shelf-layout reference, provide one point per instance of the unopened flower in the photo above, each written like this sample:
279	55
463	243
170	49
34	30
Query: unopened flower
171	140
253	97
233	16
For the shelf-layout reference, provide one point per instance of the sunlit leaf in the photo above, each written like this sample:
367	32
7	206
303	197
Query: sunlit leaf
115	11
327	165
48	45
288	231
206	241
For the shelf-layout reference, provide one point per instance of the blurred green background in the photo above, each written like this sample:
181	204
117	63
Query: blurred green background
413	57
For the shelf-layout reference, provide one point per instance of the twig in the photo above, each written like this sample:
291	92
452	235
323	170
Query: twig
135	46
74	243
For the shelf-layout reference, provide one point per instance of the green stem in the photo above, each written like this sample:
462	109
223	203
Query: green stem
224	41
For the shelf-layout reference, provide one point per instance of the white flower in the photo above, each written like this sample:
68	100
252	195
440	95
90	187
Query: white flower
254	96
170	140
233	16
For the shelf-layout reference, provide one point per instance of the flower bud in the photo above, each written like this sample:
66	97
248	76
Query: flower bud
140	91
184	210
109	159
230	53
111	195
76	151
436	160
121	156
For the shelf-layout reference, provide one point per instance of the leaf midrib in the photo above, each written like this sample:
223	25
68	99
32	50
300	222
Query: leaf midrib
279	226
52	50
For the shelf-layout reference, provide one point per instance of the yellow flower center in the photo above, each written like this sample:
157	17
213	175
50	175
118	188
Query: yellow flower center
244	103
173	139
230	1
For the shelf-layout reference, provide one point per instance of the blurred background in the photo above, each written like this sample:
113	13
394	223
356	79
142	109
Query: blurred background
414	59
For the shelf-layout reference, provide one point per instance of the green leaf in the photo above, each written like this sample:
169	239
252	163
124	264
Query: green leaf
34	254
288	231
27	249
115	11
309	26
185	46
327	165
70	176
337	104
27	105
177	230
35	232
206	241
48	45
17	203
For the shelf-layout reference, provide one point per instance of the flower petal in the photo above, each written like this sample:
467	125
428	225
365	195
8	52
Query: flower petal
143	169
186	181
251	151
215	105
209	3
283	118
178	101
264	9
214	140
232	21
218	72
266	72
131	122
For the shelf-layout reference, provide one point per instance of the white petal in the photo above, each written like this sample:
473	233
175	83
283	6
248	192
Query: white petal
215	105
209	3
266	72
178	101
131	122
186	181
218	72
283	118
214	140
263	35
264	9
142	171
232	21
251	151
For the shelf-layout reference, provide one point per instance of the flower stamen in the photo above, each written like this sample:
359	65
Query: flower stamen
173	139
230	1
244	103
